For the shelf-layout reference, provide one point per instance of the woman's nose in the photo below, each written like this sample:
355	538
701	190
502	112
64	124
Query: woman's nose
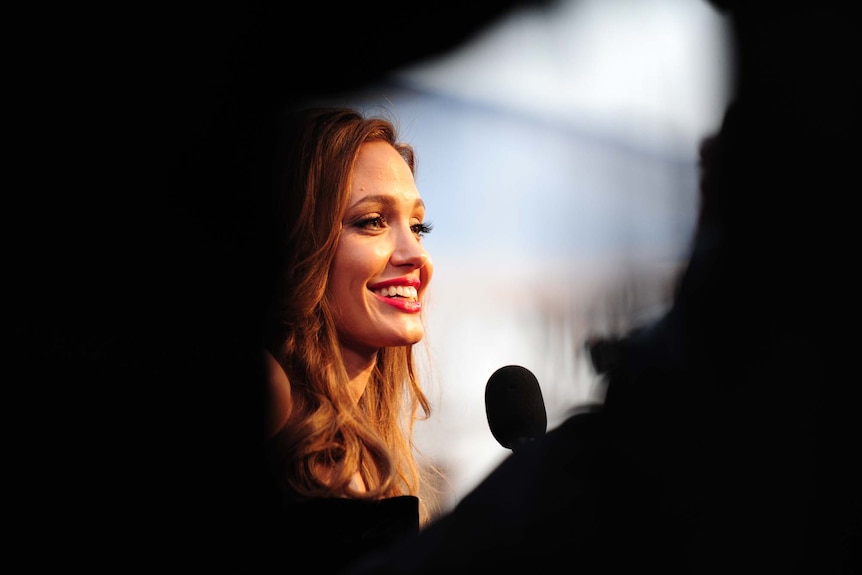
409	251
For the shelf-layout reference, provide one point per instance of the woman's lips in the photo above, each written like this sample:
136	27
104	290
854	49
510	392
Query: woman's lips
407	305
402	281
401	293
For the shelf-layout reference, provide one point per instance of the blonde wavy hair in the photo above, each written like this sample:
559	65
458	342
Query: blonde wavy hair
328	430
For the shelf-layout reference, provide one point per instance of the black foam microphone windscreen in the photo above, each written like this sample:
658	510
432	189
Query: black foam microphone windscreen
514	406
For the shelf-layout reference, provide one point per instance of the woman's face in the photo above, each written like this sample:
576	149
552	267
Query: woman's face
381	270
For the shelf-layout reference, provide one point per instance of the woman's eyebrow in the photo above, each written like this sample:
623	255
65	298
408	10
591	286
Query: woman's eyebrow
384	200
378	199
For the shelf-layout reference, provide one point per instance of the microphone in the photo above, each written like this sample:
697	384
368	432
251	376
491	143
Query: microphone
515	407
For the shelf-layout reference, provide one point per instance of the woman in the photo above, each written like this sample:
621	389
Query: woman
343	386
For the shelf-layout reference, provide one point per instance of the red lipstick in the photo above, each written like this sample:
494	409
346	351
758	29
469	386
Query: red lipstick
403	281
407	305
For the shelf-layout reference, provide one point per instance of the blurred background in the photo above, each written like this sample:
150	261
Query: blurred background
558	157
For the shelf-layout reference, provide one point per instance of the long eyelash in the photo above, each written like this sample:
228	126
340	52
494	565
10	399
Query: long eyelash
424	228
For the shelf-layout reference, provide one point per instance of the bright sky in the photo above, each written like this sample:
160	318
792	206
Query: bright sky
625	65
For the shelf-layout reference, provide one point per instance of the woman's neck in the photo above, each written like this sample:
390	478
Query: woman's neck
359	367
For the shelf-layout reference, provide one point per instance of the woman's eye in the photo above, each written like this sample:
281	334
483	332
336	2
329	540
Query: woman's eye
422	229
370	223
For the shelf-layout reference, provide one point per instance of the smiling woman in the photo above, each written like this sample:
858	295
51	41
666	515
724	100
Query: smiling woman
346	312
381	270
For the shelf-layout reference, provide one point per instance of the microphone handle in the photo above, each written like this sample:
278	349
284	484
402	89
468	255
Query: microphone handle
519	442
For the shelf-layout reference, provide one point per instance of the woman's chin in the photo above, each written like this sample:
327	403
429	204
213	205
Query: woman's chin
411	336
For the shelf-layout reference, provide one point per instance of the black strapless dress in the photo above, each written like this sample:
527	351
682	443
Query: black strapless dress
332	533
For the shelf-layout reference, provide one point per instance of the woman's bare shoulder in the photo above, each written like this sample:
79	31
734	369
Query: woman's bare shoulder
280	401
